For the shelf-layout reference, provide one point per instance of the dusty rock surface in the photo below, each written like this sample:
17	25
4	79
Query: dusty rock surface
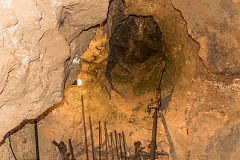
33	49
214	25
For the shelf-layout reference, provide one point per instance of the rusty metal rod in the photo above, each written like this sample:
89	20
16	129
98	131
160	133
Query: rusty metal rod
124	146
36	140
154	135
71	149
106	139
84	125
157	105
138	149
90	124
120	145
116	140
10	145
111	136
100	139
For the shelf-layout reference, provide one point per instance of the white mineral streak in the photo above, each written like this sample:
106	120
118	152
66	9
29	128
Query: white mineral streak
76	60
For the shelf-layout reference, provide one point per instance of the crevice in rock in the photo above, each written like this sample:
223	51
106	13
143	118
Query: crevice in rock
29	121
186	25
6	81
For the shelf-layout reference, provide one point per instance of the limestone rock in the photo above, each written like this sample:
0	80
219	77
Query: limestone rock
92	12
78	22
33	52
77	47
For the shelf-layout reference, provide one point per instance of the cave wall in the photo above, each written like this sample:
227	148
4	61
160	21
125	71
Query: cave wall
202	61
214	25
34	47
203	116
85	43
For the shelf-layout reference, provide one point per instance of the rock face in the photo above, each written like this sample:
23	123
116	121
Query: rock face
33	48
203	117
78	22
215	26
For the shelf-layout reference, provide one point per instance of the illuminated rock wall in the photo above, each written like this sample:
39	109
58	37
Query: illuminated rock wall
34	45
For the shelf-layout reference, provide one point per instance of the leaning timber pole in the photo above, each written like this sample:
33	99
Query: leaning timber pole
84	127
155	105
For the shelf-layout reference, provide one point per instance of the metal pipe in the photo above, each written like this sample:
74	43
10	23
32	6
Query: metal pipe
84	125
124	146
106	139
100	139
138	149
154	135
71	149
36	140
111	136
116	140
10	145
90	124
120	145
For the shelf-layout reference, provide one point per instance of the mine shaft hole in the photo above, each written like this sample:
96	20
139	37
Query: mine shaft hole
137	48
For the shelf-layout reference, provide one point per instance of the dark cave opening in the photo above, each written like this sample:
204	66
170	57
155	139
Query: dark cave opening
136	67
136	42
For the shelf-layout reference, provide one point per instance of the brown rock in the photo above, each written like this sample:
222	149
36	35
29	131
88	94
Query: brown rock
214	25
